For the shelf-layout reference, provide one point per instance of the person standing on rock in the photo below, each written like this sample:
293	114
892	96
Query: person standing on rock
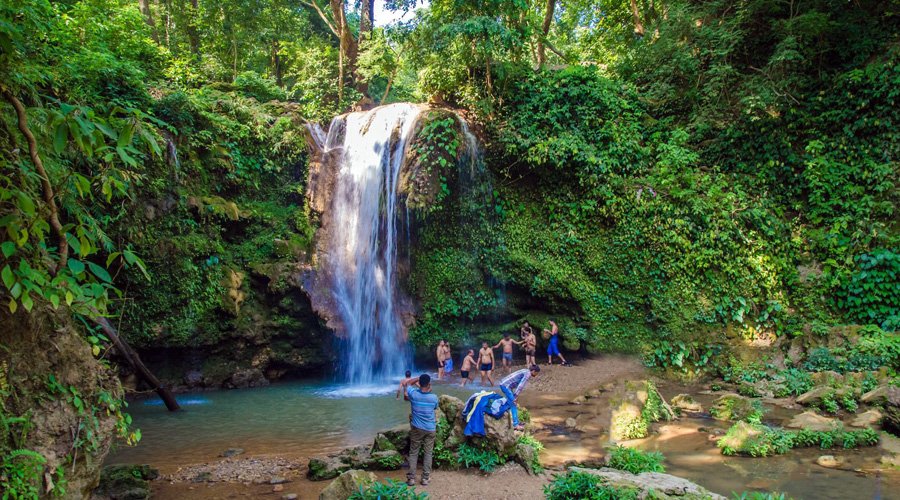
553	346
468	365
423	426
486	362
512	385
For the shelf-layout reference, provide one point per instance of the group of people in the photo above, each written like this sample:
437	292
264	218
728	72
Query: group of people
423	404
484	361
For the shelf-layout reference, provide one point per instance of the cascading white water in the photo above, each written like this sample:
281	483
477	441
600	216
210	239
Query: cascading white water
361	254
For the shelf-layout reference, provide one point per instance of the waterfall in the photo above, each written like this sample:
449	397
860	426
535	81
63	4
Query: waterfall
361	246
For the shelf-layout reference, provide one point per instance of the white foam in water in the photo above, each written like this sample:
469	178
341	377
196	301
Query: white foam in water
356	391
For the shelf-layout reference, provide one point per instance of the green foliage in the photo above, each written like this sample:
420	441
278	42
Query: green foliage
388	489
472	455
655	409
870	293
757	495
738	409
441	455
90	407
251	84
768	441
635	461
585	486
390	462
683	356
21	474
537	446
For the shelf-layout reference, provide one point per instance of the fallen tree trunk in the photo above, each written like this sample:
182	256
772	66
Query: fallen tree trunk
135	361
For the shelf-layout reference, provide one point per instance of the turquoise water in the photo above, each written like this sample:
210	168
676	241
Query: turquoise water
298	418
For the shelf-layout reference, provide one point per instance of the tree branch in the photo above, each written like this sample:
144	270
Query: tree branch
314	5
49	197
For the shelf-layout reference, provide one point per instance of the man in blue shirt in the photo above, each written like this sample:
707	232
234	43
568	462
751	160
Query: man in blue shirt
422	426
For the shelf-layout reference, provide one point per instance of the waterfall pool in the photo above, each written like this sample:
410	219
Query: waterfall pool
293	419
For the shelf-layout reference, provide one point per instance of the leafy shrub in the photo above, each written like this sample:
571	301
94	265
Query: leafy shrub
252	84
870	294
20	473
793	382
485	459
765	441
442	456
635	461
389	489
685	356
390	462
537	446
576	485
738	409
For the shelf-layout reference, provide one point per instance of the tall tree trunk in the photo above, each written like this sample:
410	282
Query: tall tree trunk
348	45
148	18
276	63
192	33
545	30
367	18
636	14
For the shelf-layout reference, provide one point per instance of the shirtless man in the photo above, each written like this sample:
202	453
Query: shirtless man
530	348
448	359
525	331
486	362
468	365
439	352
402	388
507	344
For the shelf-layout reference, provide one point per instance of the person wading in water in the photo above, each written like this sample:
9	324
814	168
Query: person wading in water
486	362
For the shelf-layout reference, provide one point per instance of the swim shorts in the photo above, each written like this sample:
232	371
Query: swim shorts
464	374
529	352
448	365
486	367
507	356
553	349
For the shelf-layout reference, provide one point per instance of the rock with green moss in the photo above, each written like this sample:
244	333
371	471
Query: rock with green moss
382	443
347	484
125	482
733	407
322	468
635	406
655	485
743	438
812	421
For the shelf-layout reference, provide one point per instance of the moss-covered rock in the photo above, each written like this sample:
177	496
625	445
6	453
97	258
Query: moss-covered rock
125	482
346	484
733	407
656	485
743	438
636	405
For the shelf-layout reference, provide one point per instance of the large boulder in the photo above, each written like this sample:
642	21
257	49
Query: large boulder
247	377
499	434
812	421
451	407
867	419
741	436
685	402
881	395
125	482
399	437
527	457
346	484
635	405
734	407
814	396
652	484
322	468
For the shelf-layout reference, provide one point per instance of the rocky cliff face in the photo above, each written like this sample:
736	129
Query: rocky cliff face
58	400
